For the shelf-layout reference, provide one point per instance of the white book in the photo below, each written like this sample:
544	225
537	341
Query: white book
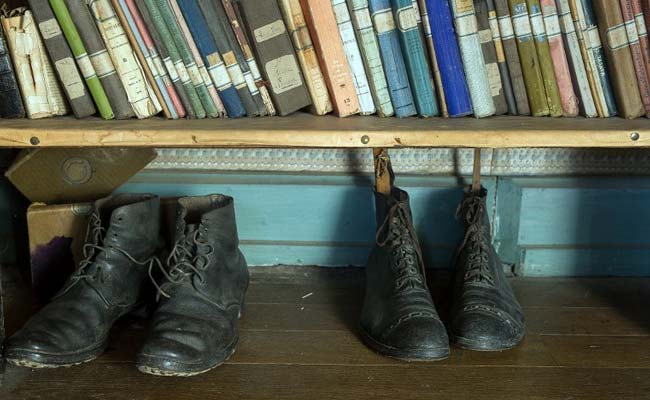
353	55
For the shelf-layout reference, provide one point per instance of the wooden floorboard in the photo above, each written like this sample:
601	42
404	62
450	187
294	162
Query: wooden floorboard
587	339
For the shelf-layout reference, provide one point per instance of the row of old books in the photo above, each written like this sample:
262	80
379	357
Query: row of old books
235	58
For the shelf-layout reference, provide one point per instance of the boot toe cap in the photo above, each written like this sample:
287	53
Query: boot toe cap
418	339
486	330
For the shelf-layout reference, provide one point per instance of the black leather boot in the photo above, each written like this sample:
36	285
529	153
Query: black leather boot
122	238
195	326
485	314
398	317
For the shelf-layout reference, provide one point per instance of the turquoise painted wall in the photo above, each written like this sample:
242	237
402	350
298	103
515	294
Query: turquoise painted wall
542	226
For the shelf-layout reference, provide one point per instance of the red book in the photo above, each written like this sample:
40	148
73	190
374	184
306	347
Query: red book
640	65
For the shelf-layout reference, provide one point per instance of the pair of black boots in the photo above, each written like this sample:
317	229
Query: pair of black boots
200	295
399	318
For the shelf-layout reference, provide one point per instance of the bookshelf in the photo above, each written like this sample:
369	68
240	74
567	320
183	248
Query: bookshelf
303	130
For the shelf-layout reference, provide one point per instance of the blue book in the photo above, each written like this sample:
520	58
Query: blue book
211	57
408	30
392	58
450	64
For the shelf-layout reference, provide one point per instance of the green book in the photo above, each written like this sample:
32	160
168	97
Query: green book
187	58
162	26
83	61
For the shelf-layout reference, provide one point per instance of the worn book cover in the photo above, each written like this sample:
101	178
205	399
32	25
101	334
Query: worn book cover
507	32
449	60
141	96
559	58
149	58
591	46
425	25
11	102
61	56
38	85
324	30
369	46
212	59
472	56
529	60
414	52
613	35
302	44
579	74
273	48
100	58
491	57
196	56
504	70
642	31
353	55
254	79
637	53
392	57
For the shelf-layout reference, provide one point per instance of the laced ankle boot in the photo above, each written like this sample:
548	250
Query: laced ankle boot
485	314
122	238
194	328
399	318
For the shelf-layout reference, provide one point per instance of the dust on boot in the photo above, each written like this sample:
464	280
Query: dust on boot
195	328
399	318
122	238
485	314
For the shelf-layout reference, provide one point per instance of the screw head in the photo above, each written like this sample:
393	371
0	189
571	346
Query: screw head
634	136
365	139
34	141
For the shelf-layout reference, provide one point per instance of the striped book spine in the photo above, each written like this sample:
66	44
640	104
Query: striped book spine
637	53
490	57
504	70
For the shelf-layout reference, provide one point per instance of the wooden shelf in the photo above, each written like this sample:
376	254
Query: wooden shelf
304	130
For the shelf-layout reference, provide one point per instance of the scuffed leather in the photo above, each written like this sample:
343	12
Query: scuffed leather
74	327
195	326
398	317
11	102
485	314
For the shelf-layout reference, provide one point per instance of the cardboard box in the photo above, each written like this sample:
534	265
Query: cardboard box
73	175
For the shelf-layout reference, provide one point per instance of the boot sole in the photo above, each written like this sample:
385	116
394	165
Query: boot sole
152	370
485	346
22	358
419	355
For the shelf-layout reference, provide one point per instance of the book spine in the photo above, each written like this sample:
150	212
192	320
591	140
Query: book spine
258	104
578	69
141	32
212	59
406	20
506	81
257	80
100	59
529	59
353	55
392	57
591	39
144	58
198	60
12	104
619	58
182	85
369	47
138	90
644	41
186	58
637	53
511	51
40	91
219	26
449	59
321	21
314	79
472	56
162	22
73	84
433	59
545	60
568	97
490	56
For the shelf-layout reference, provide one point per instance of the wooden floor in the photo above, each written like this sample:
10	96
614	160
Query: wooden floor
587	339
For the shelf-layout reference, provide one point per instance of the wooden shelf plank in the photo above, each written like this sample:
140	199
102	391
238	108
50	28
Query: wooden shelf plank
304	130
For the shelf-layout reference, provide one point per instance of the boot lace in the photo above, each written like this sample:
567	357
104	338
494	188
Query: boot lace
407	261
477	238
189	257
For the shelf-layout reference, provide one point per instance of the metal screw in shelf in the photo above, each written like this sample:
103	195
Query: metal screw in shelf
365	139
634	136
